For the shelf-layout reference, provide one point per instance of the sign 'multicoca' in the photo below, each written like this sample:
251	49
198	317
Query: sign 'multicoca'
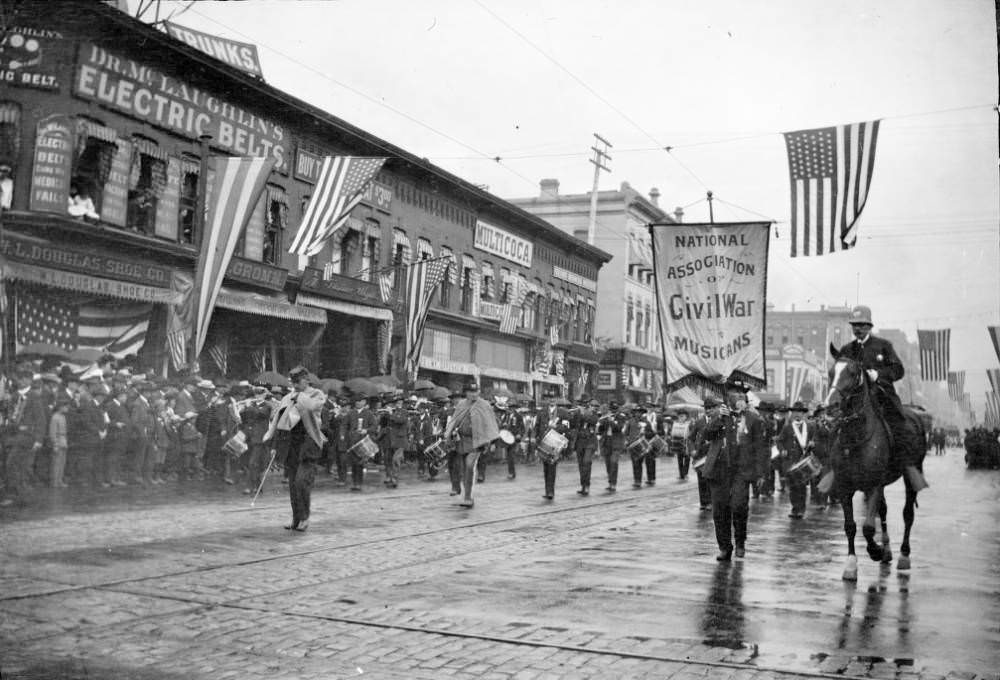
503	244
711	290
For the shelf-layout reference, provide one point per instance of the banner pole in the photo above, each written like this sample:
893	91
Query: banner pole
198	238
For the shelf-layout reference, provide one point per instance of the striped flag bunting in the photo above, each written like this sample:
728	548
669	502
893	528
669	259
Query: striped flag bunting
219	351
935	354
385	284
339	188
993	375
236	187
258	360
956	384
830	170
994	332
110	326
554	333
992	411
796	380
177	347
511	313
422	278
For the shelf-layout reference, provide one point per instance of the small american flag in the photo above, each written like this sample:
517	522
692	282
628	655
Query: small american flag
219	352
422	277
342	181
956	384
258	359
511	313
554	333
114	327
176	346
830	171
935	354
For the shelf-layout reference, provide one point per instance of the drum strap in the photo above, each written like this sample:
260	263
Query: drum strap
801	433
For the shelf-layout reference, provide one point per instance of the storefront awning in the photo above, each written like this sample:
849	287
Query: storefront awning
83	283
504	374
349	308
548	379
446	366
264	305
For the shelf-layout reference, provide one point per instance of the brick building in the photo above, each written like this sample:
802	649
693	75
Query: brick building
104	107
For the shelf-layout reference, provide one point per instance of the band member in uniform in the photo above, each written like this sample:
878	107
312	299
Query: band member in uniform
821	447
550	462
509	420
795	443
883	367
455	459
678	443
612	432
398	426
256	416
586	447
529	422
737	451
699	449
359	422
477	428
300	414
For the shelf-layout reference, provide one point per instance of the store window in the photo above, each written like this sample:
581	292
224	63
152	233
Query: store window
539	305
468	282
96	151
629	320
188	198
509	356
450	276
10	144
276	214
506	294
146	183
487	290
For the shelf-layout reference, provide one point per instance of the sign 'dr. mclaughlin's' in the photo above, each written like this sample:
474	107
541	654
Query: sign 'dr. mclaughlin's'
503	243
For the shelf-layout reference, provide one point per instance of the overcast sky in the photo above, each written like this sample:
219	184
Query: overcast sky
461	82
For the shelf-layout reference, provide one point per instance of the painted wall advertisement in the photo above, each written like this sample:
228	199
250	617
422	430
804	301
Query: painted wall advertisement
504	244
141	91
237	54
29	57
53	161
711	291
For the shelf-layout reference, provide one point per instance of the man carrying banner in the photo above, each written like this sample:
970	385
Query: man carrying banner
736	454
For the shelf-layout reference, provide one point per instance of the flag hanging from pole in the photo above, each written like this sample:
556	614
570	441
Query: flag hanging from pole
235	190
339	188
993	374
219	352
830	171
994	332
422	278
956	384
385	284
935	354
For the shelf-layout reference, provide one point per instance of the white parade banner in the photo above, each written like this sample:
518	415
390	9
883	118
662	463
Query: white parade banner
711	290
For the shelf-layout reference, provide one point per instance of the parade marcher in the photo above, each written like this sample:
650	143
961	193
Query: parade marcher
529	426
821	447
699	450
227	420
737	450
299	414
477	428
397	437
160	439
358	423
455	459
509	420
773	426
586	447
678	443
256	416
59	442
611	429
795	441
879	360
550	463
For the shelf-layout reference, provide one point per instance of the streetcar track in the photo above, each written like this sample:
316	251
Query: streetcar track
618	500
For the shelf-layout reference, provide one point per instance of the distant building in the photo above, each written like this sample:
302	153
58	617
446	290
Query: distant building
631	367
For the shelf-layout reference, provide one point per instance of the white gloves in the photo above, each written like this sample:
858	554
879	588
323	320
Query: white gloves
872	374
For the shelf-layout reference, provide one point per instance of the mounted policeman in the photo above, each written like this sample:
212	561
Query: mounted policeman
881	363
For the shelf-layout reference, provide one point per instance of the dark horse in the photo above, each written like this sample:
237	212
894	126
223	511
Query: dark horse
863	461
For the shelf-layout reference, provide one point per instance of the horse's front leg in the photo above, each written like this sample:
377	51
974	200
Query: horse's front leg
883	511
872	499
851	530
911	500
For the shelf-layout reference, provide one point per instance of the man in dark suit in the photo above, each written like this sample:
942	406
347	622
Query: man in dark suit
795	441
27	428
880	361
736	454
89	432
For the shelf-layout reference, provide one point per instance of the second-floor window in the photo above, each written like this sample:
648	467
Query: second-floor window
275	222
147	180
468	285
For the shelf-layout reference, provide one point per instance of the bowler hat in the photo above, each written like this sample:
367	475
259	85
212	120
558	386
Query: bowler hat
711	402
471	386
798	407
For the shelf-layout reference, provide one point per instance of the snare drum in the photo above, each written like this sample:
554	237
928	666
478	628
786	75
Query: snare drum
552	445
639	448
658	447
434	452
364	450
236	445
805	470
507	437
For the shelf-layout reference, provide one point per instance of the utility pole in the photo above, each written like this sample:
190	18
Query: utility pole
711	212
601	156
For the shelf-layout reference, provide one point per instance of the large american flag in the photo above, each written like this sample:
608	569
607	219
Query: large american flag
111	326
341	183
422	278
994	332
830	171
956	384
935	354
235	189
511	312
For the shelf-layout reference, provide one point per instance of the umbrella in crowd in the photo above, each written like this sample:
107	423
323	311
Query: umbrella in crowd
362	386
390	380
331	385
271	378
440	392
41	350
503	392
424	384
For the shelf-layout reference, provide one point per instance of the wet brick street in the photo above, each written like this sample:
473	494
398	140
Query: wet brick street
403	583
